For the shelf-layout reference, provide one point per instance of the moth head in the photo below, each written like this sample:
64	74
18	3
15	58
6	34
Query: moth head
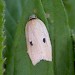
32	17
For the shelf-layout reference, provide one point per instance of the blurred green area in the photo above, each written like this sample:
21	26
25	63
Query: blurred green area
59	24
2	37
70	9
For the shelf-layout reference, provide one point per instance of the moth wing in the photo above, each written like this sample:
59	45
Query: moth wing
47	46
35	32
33	51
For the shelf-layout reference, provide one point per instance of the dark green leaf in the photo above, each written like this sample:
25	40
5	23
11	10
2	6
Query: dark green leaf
2	37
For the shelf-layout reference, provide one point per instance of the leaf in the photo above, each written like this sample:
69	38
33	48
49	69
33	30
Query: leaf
73	37
10	28
2	37
52	13
61	36
18	61
70	8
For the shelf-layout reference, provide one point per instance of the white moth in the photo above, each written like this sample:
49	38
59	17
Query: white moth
38	41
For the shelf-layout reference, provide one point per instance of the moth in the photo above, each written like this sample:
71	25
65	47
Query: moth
38	41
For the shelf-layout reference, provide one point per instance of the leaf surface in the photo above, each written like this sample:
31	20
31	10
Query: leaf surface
53	14
2	37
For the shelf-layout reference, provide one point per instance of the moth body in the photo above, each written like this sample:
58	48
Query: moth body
38	41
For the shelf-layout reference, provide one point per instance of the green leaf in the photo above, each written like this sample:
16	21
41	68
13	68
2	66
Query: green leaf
2	37
70	8
52	13
61	36
73	37
18	61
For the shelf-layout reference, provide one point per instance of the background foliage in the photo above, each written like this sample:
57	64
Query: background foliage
58	16
2	37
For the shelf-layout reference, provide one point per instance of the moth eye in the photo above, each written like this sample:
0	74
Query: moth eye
31	43
44	40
